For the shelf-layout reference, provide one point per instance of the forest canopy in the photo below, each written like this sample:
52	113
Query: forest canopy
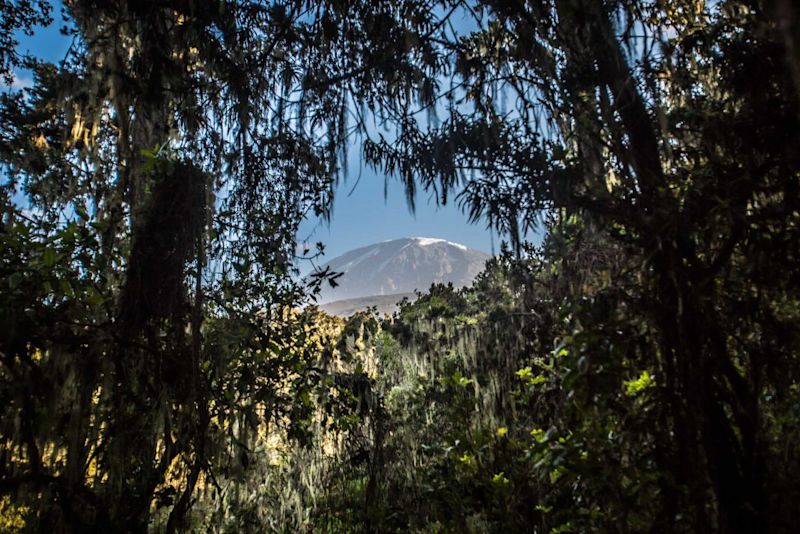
163	366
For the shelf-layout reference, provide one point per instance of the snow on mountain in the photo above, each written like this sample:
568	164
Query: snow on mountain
402	266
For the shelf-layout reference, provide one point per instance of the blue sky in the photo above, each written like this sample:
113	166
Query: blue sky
46	43
362	215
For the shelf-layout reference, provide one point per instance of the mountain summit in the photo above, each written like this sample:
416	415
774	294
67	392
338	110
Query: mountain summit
402	266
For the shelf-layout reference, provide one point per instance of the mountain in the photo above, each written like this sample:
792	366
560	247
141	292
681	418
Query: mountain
383	304
400	267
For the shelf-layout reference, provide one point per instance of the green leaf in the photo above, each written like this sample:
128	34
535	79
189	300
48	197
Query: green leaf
500	479
49	257
638	385
66	288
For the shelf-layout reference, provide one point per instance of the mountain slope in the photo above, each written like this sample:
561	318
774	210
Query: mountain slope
402	266
383	304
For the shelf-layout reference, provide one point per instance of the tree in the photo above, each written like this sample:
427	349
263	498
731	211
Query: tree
165	168
167	164
18	16
661	128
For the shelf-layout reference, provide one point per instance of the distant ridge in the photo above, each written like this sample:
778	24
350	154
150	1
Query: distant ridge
397	268
384	304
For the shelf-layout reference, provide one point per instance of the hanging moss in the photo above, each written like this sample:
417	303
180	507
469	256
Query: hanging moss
162	247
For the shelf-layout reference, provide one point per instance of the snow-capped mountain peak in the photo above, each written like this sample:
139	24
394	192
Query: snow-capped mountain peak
402	266
425	241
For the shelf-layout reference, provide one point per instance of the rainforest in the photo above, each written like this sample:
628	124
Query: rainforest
165	365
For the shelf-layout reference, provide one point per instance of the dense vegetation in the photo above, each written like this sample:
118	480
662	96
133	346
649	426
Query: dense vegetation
161	366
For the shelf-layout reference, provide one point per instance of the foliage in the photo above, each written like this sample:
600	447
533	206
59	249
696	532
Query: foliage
655	135
153	184
160	366
19	16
